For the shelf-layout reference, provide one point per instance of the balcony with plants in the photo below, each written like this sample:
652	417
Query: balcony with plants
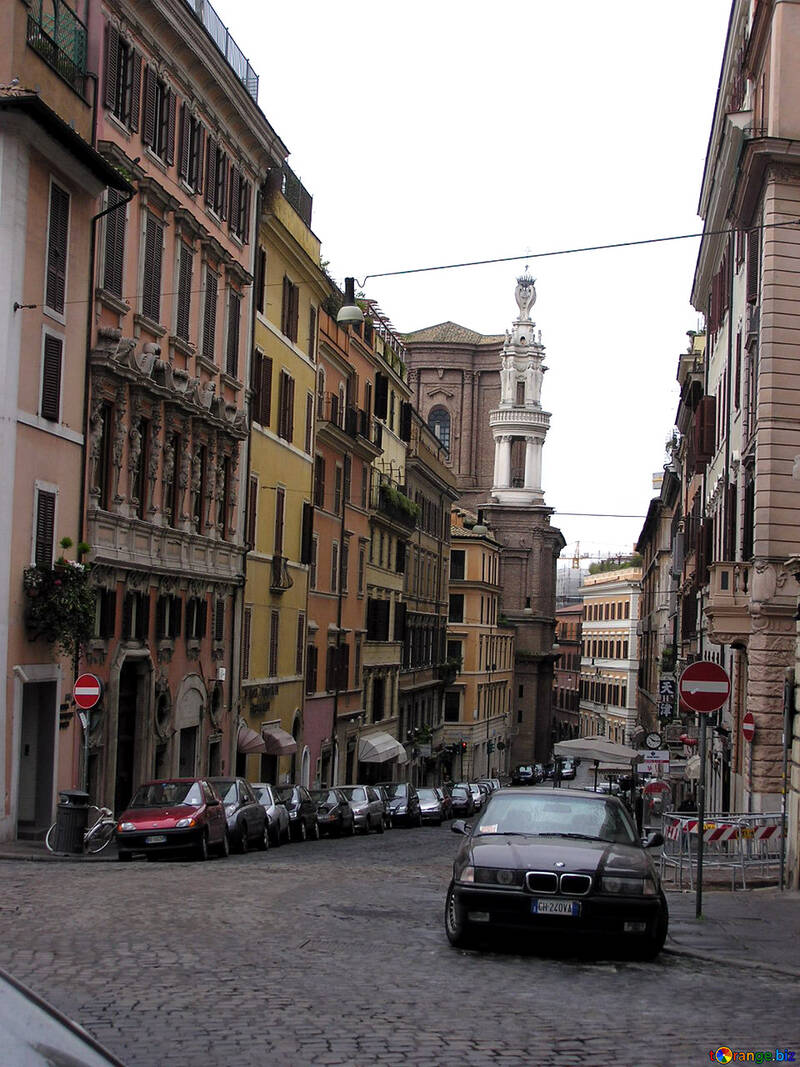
60	601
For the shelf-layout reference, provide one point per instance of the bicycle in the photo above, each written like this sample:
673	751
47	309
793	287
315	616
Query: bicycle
96	837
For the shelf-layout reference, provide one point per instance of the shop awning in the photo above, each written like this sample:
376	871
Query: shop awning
278	742
380	748
249	741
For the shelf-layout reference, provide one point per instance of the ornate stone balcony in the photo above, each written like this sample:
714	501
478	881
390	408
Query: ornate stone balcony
524	418
727	608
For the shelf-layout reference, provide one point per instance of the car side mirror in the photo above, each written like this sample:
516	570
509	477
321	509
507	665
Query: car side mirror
460	827
653	840
213	803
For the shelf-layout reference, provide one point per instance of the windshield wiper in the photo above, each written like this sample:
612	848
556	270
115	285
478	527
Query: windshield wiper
508	833
577	837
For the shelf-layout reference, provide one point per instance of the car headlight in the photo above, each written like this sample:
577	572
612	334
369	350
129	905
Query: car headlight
401	809
125	826
630	887
467	874
230	809
181	824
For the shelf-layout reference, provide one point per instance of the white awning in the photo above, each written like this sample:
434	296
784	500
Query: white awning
278	742
249	741
596	747
380	748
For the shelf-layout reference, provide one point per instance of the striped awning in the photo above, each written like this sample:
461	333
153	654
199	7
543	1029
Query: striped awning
278	742
249	741
380	747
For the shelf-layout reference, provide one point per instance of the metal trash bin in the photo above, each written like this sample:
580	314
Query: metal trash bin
71	819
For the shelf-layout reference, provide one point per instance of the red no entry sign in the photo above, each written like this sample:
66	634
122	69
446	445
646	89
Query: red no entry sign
704	686
87	691
748	727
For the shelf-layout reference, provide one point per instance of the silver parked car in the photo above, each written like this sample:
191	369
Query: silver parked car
277	815
367	806
430	805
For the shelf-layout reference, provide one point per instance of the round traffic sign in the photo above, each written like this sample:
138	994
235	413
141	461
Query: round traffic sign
87	691
704	686
748	727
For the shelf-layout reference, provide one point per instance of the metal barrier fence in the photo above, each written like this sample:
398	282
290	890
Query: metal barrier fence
731	842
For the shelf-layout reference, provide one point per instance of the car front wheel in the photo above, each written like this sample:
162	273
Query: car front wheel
651	945
202	847
456	929
263	841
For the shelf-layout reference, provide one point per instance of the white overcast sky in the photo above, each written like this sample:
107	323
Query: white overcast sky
437	132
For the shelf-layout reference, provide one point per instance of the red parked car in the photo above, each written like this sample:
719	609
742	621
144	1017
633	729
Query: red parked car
173	814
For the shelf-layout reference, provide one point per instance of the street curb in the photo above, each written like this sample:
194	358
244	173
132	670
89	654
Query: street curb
732	961
52	858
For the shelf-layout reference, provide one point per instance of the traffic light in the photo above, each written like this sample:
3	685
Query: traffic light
463	746
490	746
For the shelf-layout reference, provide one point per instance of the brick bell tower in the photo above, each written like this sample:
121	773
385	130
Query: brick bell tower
518	517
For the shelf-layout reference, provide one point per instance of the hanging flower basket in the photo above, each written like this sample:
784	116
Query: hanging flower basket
60	606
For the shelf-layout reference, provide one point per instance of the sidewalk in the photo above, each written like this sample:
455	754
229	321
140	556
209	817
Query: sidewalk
38	852
755	928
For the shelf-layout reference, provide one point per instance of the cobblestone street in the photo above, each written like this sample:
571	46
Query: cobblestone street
333	952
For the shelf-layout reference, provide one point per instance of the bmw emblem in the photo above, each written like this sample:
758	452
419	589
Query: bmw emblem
559	864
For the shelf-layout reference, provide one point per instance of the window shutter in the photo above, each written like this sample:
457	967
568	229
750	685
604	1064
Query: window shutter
127	615
219	620
143	616
306	536
405	422
245	229
752	265
151	288
175	610
57	249
111	67
211	169
287	286
301	637
399	621
294	312
108	612
184	292
246	642
401	557
280	507
348	477
261	278
381	395
252	509
236	203
162	616
312	334
233	334
266	391
210	315
114	257
319	481
149	108
202	606
45	528
171	103
196	159
290	413
185	145
51	378
343	667
135	71
222	177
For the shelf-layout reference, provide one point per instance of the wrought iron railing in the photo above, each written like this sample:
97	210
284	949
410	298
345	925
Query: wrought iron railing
221	37
59	36
297	194
280	579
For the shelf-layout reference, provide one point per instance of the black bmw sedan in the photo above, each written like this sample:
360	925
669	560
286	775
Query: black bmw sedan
556	862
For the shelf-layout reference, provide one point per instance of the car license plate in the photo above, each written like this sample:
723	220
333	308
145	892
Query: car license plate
156	839
571	908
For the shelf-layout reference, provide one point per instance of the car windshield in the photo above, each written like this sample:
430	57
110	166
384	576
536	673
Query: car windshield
286	795
166	794
355	792
459	791
263	795
324	796
398	790
226	789
570	816
427	794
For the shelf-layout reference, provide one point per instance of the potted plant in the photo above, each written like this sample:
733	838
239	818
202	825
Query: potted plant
60	602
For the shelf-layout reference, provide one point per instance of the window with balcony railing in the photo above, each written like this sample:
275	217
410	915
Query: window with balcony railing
59	36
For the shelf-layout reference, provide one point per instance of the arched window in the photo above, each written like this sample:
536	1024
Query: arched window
439	422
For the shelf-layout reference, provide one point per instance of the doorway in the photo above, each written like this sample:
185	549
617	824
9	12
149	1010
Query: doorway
188	752
36	759
127	723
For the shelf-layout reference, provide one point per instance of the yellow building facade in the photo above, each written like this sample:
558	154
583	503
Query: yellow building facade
288	292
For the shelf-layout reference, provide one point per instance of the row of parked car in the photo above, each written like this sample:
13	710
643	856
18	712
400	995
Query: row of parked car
216	815
533	773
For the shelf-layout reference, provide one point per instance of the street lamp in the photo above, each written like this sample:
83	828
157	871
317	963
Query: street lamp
350	314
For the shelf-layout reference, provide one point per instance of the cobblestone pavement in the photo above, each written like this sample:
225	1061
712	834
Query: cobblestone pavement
333	952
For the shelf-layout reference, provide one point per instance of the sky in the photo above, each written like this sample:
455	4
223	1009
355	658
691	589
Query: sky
440	132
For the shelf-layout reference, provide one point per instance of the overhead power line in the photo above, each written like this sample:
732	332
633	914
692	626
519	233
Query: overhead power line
568	251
